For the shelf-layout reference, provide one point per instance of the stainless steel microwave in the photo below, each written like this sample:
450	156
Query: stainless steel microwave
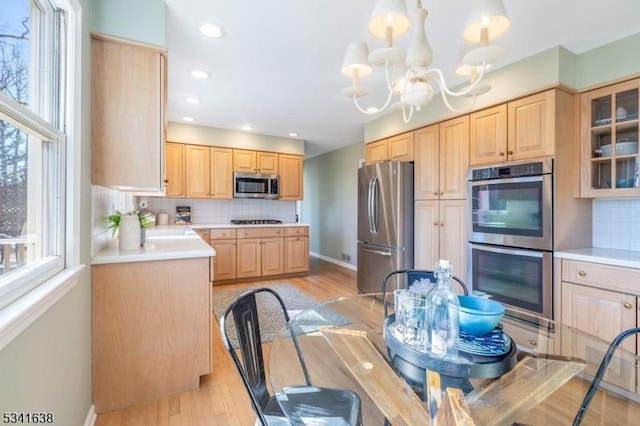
255	185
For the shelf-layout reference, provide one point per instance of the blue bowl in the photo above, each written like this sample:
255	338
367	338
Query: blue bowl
478	316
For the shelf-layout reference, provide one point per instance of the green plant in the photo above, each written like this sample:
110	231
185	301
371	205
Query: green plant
114	220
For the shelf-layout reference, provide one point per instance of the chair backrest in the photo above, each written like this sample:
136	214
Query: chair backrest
403	278
244	311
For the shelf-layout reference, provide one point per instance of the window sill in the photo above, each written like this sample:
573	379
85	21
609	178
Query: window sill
20	314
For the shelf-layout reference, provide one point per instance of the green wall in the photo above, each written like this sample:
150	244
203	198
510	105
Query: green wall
48	366
330	202
140	20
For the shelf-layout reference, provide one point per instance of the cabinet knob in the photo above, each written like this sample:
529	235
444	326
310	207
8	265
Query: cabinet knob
441	223
441	193
582	273
533	343
435	223
435	193
627	305
501	154
510	152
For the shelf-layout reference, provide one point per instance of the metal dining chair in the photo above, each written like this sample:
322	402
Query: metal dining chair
296	405
600	373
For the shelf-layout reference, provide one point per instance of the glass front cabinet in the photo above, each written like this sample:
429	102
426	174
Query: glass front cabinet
609	134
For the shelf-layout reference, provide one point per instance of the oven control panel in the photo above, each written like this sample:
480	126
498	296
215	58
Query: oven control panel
507	171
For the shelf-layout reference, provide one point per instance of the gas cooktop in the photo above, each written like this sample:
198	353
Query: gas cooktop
255	221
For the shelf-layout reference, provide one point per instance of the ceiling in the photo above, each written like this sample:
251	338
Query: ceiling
278	67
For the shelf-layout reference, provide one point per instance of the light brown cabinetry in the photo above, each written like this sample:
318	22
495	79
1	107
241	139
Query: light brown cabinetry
197	165
142	349
128	102
399	147
609	135
221	183
601	300
290	182
223	242
175	174
248	161
296	249
260	252
521	129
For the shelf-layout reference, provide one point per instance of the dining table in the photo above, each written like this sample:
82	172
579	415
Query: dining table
542	381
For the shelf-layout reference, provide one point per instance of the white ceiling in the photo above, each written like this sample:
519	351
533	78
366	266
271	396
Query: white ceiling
278	68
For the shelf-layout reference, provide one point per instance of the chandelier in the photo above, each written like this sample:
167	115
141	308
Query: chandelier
409	74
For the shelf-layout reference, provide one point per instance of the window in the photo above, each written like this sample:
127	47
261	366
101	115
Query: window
33	46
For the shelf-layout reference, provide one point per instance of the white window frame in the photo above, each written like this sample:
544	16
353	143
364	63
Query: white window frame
42	284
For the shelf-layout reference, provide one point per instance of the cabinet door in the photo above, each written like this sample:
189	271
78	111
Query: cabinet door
128	104
197	171
454	158
376	152
453	235
296	254
427	152
290	177
531	126
426	230
400	147
272	256
488	136
604	314
224	260
221	172
244	161
174	180
267	162
248	257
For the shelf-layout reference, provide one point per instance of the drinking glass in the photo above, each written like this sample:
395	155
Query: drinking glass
414	331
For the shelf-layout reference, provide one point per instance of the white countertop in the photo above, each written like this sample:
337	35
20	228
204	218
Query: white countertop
230	225
162	243
627	258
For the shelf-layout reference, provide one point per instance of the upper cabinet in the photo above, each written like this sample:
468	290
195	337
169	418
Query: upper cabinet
197	165
128	114
399	147
609	136
174	180
248	161
442	159
519	130
290	177
221	175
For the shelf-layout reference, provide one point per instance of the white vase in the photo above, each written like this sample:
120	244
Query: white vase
129	231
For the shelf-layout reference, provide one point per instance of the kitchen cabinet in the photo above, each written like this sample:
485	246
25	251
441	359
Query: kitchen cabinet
521	129
223	242
128	103
609	136
602	300
290	182
399	147
296	249
151	337
221	184
440	233
175	173
197	166
248	161
259	252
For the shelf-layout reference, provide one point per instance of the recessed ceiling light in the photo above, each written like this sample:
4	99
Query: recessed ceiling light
294	134
189	119
372	109
212	30
194	101
246	127
199	74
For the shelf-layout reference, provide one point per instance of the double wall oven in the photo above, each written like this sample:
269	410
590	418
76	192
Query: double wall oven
511	234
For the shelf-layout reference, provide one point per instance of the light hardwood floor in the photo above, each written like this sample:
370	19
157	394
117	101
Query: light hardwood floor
221	399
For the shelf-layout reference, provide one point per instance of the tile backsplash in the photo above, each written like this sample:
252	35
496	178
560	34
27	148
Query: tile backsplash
105	201
222	211
616	223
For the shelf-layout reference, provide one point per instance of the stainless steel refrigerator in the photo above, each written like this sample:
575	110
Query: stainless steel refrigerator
385	222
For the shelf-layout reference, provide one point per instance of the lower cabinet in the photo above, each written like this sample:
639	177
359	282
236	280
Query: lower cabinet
223	242
601	300
296	249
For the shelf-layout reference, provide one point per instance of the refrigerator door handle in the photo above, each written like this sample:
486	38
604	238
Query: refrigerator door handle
381	253
375	213
370	206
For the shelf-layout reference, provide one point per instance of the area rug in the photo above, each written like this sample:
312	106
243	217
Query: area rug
269	312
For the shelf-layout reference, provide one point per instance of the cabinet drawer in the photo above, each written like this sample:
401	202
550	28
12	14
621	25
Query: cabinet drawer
534	340
296	231
216	234
616	278
260	232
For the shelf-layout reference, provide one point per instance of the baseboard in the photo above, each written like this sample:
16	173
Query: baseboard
334	261
90	420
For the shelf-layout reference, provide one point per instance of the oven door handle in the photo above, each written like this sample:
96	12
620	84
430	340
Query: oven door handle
527	253
523	179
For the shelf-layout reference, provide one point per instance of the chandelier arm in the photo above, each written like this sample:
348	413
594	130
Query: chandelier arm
454	109
443	84
404	114
364	111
